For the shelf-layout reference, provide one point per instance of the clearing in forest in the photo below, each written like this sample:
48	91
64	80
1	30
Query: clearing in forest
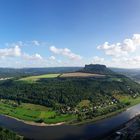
36	78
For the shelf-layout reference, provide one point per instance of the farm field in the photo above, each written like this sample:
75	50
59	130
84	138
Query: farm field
36	78
32	112
81	74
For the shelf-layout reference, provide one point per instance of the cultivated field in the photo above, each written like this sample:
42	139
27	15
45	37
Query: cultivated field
45	76
36	78
81	74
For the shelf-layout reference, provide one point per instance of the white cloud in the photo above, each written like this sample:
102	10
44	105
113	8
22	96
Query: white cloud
36	42
32	57
121	49
97	60
51	58
59	61
30	43
16	52
65	52
38	56
124	62
131	60
10	52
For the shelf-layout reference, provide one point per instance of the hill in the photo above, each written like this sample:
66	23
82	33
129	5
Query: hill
97	69
134	74
15	72
67	90
86	97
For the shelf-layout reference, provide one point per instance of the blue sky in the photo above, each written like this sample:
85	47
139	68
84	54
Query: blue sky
46	33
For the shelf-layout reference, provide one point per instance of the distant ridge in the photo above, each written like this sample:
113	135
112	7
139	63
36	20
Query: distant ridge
97	69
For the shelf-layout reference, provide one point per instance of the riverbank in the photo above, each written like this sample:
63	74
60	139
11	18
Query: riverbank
29	113
99	118
33	114
71	123
34	123
132	102
68	132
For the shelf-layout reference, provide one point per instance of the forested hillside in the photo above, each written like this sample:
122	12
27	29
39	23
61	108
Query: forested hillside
96	95
69	91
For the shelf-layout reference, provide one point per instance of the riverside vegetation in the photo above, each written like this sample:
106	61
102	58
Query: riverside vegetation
9	135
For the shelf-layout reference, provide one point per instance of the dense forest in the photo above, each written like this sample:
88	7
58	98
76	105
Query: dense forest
9	135
68	91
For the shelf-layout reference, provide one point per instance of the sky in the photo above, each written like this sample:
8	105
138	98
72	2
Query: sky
55	33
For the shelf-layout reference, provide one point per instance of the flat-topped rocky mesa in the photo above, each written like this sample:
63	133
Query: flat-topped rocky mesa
97	69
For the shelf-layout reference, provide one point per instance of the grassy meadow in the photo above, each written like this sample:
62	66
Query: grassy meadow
36	78
32	112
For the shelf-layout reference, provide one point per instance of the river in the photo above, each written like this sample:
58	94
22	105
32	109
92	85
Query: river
69	132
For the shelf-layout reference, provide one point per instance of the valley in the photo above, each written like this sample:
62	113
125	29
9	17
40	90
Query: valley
81	97
69	70
92	93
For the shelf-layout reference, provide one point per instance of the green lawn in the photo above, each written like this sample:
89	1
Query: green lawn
36	78
32	112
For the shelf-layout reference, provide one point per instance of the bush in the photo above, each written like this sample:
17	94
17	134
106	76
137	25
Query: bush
39	120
